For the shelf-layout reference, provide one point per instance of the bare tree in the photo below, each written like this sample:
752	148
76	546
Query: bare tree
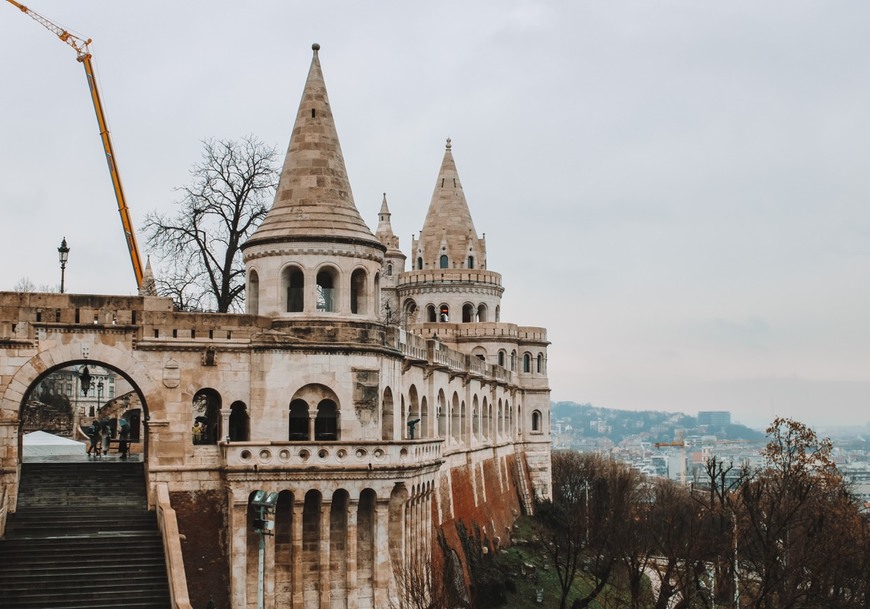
582	528
229	195
792	518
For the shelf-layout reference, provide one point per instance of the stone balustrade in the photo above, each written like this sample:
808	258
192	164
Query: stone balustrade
359	454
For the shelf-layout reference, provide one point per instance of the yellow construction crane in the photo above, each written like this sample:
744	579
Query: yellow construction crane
681	444
83	55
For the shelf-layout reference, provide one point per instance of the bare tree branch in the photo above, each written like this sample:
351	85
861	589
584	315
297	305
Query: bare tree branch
229	194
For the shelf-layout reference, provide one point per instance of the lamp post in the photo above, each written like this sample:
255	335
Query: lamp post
63	255
265	503
100	395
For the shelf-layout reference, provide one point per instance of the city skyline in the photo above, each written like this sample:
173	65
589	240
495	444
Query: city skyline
687	182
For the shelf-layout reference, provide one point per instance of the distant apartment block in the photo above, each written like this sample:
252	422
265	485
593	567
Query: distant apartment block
714	418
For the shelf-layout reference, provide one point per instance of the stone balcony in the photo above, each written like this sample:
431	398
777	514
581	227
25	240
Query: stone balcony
370	456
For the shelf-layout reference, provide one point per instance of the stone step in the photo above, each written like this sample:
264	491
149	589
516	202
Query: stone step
82	538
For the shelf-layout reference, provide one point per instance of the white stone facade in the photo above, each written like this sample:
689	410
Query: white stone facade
375	430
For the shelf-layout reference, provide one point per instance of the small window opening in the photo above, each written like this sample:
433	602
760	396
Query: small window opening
445	313
444	261
471	262
313	113
420	264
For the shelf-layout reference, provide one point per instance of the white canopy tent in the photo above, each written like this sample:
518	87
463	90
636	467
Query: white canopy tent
42	444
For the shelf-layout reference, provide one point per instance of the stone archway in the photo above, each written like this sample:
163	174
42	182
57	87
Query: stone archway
42	364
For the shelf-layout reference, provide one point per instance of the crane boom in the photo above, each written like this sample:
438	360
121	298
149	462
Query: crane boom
83	55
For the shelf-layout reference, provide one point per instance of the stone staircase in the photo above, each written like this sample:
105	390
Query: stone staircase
82	538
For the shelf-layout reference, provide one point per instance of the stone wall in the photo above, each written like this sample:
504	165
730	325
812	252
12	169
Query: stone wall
202	524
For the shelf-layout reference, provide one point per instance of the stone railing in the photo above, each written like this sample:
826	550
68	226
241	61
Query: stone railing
340	454
172	550
412	345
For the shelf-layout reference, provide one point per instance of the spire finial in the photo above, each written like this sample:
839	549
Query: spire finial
315	47
449	143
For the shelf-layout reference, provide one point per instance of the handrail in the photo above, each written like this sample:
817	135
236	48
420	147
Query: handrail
172	550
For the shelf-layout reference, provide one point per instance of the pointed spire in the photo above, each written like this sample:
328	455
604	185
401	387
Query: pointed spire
149	284
384	232
313	200
448	228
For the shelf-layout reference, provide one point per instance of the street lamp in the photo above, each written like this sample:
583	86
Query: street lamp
100	394
63	255
265	503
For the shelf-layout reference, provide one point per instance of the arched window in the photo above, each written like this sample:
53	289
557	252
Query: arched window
387	417
527	362
513	361
471	262
207	418
431	315
298	421
389	268
326	292
444	313
536	421
444	263
410	311
420	264
253	295
501	355
358	292
540	363
326	421
467	313
240	425
481	312
294	282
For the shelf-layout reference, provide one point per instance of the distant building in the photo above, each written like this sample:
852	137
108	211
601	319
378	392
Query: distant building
714	418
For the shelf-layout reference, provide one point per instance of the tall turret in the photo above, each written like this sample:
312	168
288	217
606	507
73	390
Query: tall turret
394	264
313	254
448	280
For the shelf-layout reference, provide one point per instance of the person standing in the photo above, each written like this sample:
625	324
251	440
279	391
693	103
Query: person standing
105	436
123	439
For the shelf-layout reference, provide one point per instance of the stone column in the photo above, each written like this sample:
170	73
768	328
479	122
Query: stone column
225	424
238	548
382	574
351	544
325	507
312	414
297	552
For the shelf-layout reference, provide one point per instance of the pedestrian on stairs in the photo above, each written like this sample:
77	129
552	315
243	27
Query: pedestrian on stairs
105	436
123	439
93	433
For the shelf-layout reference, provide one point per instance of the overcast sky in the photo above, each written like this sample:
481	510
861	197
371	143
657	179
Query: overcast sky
677	190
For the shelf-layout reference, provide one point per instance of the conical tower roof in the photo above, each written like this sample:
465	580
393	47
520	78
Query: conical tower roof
448	228
314	199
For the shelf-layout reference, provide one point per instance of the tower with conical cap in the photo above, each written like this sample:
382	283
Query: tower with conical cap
394	264
313	255
449	280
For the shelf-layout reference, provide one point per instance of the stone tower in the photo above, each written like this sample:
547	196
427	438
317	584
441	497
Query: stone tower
394	265
313	255
449	260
